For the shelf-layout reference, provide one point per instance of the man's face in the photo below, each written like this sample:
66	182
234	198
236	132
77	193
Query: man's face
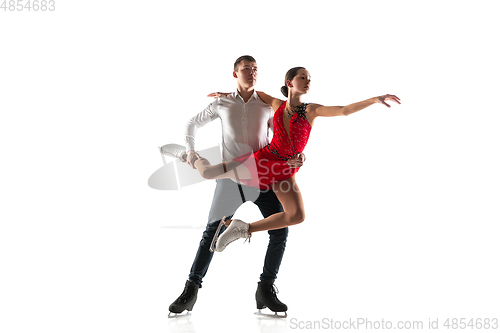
246	75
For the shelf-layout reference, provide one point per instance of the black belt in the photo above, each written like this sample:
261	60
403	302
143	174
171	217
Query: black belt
239	185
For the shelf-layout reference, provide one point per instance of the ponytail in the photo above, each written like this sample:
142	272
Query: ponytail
289	76
284	91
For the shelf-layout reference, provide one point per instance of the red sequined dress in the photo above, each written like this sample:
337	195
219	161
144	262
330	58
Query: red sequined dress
268	165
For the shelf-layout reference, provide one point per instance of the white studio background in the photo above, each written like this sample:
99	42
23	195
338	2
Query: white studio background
401	203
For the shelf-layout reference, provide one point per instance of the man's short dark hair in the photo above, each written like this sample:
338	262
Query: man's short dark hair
240	59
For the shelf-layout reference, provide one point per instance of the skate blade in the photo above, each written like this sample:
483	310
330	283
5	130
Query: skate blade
179	315
275	315
216	236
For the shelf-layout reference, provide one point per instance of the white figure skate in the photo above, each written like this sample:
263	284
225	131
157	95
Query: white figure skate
236	230
175	151
216	236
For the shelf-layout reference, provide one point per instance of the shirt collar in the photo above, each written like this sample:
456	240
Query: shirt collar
236	95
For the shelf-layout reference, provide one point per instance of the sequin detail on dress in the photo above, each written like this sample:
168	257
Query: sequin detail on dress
271	160
301	111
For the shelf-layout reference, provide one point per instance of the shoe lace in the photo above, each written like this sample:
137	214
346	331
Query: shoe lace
274	291
186	294
245	234
242	234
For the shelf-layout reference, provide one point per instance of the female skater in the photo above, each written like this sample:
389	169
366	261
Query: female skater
267	167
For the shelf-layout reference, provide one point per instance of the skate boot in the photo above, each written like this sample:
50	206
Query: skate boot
174	150
236	230
216	236
186	300
266	297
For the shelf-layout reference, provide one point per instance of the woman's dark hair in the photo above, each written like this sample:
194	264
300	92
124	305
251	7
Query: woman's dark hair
289	76
240	59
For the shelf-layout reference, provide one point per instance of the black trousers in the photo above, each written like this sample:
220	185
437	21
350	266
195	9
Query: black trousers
228	196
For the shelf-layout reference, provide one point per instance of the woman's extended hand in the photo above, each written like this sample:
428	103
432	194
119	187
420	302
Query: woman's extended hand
216	95
382	99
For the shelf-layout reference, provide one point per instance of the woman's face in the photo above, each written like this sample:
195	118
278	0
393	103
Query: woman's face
301	82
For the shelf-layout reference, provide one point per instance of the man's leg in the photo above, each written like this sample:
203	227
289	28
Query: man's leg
204	256
269	204
265	295
227	198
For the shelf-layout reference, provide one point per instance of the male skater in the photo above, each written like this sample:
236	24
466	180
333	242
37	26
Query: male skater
245	121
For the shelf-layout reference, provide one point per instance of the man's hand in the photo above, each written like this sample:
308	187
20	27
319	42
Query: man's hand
192	156
297	161
216	95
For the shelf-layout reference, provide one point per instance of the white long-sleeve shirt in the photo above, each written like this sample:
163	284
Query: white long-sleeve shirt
245	126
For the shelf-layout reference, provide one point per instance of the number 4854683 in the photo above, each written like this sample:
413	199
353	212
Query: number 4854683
475	323
28	5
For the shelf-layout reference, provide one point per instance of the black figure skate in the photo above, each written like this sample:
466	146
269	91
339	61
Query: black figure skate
185	301
266	298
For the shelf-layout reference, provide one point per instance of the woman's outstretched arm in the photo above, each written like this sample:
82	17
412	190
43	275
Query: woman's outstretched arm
274	102
318	110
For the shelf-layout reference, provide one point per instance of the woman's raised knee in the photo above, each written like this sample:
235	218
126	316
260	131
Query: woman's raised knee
205	173
298	217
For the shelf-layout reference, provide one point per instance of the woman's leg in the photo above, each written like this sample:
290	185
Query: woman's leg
222	170
289	195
